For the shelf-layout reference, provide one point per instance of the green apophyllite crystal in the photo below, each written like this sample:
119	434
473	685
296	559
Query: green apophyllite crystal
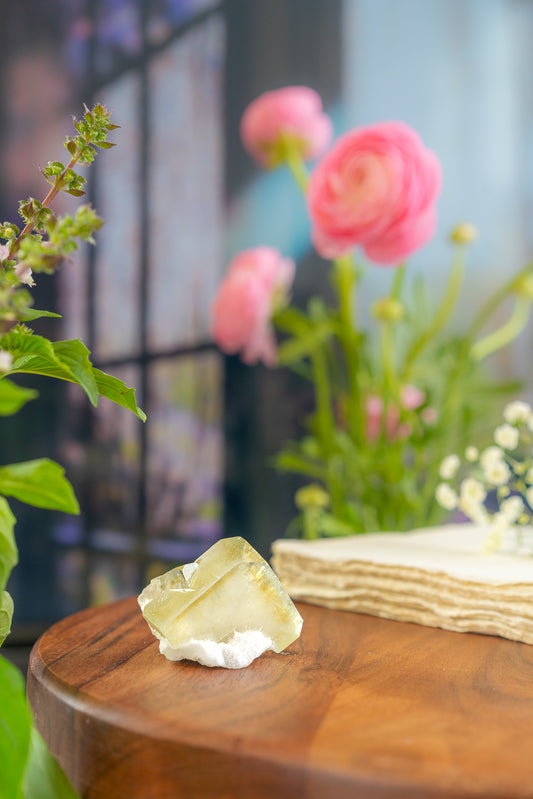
229	597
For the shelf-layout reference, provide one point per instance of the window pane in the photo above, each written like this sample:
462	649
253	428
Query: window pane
117	201
118	35
166	15
185	454
112	578
185	186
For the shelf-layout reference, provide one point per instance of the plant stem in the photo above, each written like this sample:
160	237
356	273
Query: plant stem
443	312
490	306
345	282
53	192
506	333
297	167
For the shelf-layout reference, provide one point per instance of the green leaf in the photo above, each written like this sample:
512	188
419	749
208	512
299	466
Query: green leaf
8	546
43	777
6	614
75	356
65	360
15	730
294	349
115	390
13	397
33	313
41	483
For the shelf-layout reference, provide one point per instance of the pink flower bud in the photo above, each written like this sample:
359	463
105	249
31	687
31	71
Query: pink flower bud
376	188
291	115
256	283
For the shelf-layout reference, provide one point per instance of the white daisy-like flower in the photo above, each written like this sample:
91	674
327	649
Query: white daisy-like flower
512	508
472	491
6	361
517	411
449	466
506	436
497	473
491	455
446	496
471	454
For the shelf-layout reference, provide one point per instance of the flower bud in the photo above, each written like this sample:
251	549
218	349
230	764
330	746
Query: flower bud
311	496
388	310
464	233
524	287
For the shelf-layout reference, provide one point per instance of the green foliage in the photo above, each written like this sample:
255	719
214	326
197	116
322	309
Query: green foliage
28	771
41	483
43	776
16	726
13	397
6	614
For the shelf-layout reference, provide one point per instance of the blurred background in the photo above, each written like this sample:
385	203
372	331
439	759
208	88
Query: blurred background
180	197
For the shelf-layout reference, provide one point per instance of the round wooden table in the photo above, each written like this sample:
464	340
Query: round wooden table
357	707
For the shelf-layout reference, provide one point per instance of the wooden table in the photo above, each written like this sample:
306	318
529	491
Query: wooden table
358	707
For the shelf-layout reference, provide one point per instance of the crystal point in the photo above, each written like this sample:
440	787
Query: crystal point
224	609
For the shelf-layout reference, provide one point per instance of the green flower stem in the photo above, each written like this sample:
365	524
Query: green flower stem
346	282
387	341
325	424
443	312
387	355
297	167
492	304
506	333
397	282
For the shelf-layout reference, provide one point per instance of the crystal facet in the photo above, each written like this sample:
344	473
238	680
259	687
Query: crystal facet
224	609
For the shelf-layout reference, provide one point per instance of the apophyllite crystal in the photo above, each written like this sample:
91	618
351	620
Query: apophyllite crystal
225	609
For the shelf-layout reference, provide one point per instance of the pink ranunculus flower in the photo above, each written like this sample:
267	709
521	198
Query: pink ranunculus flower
377	188
257	281
295	113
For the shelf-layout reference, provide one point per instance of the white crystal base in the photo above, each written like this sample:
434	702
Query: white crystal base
236	653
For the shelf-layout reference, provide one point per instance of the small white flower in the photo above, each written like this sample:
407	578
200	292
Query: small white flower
517	411
24	274
490	455
446	496
529	496
471	454
497	473
506	436
529	476
472	491
512	508
449	466
6	361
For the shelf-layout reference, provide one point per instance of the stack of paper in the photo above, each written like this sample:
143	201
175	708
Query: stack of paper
438	577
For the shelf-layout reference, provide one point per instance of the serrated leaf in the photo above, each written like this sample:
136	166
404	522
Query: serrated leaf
75	356
6	614
13	397
43	776
75	192
8	546
15	723
115	390
105	145
39	482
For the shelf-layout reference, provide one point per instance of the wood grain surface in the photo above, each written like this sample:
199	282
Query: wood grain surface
357	707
